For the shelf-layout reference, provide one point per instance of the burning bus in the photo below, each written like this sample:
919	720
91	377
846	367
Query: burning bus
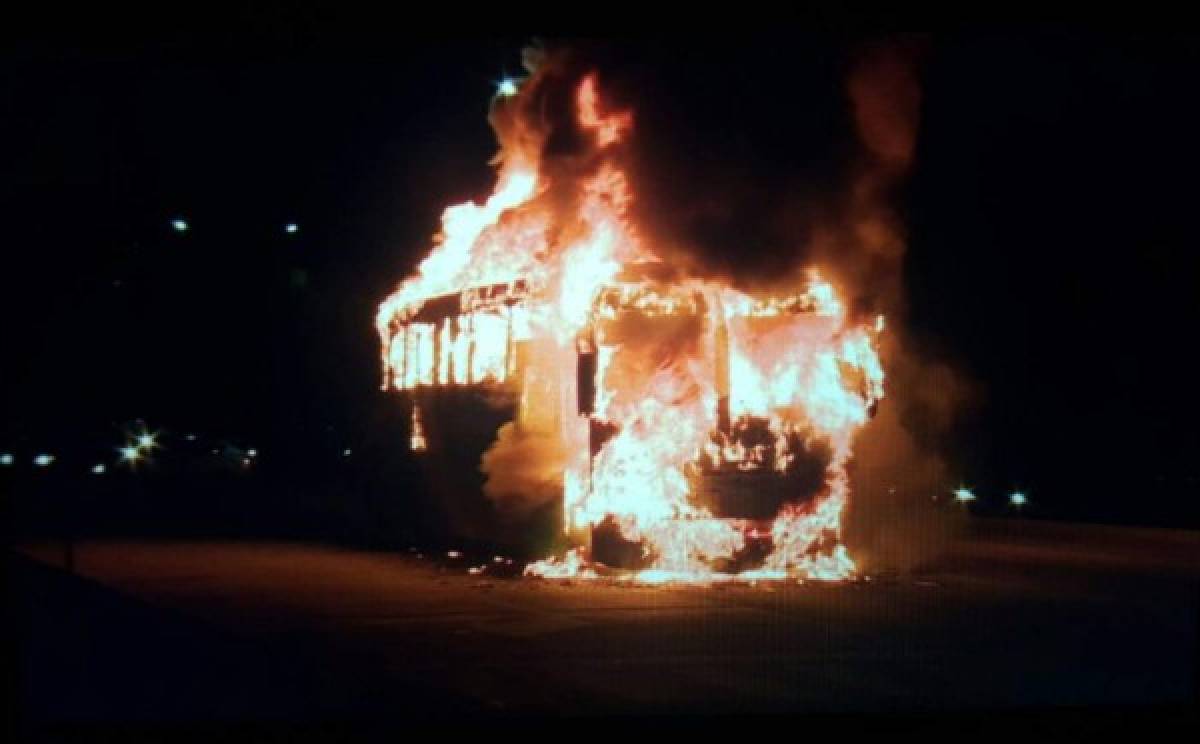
688	430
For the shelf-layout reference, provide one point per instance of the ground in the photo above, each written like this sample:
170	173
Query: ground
1022	619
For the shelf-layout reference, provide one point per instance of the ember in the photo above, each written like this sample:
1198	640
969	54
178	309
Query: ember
703	432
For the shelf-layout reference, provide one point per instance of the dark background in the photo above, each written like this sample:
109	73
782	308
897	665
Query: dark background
1049	208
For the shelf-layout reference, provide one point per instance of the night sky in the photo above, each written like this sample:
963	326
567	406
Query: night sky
1052	244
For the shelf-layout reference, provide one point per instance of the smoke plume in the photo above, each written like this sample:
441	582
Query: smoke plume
899	477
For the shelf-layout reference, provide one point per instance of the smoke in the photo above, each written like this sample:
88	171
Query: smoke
898	474
524	470
896	517
886	98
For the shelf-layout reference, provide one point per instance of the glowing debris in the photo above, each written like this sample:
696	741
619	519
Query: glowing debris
417	441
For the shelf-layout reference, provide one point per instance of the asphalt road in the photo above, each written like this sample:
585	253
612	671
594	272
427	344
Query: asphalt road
180	632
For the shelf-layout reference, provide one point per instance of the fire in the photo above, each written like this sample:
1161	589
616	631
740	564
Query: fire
608	129
675	399
416	439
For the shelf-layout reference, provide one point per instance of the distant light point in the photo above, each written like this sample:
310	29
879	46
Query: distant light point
963	495
506	88
43	461
1016	498
99	469
179	225
6	459
291	227
346	452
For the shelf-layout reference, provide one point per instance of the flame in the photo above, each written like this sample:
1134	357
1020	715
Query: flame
607	129
692	378
573	565
416	440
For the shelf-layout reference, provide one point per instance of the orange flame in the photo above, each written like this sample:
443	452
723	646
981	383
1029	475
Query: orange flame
684	369
608	129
